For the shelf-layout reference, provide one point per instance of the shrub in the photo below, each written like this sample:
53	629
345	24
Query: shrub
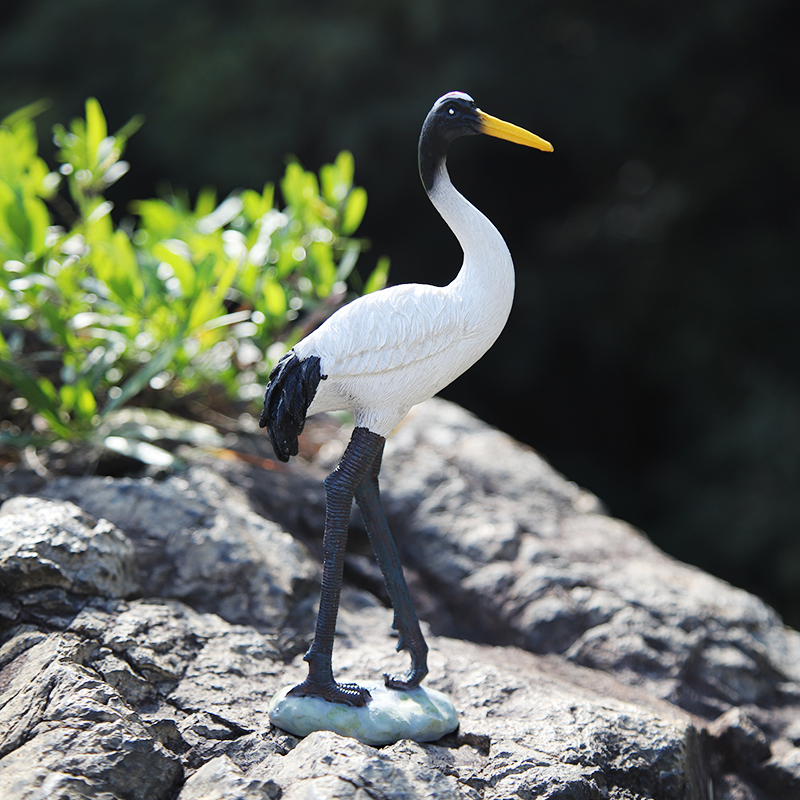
180	298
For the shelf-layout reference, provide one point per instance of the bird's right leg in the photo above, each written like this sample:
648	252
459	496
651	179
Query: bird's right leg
406	622
340	485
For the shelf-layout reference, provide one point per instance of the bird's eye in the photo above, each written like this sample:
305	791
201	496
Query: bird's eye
451	111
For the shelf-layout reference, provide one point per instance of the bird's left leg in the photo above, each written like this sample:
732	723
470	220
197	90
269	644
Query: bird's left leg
340	486
405	617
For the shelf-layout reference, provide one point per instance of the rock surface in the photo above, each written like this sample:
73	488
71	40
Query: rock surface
44	544
145	625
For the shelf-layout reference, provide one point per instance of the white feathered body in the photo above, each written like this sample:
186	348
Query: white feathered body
389	350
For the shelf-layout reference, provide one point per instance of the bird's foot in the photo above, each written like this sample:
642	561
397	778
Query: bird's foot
411	679
346	694
418	650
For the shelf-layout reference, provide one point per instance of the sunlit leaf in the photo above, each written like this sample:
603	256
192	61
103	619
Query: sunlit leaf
129	128
298	186
332	187
180	295
225	279
68	395
184	270
159	218
142	377
129	287
346	166
348	261
254	206
324	268
206	307
26	112
274	298
39	219
96	129
378	276
354	210
206	201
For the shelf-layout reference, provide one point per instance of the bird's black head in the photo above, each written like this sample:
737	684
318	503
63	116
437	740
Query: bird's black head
455	114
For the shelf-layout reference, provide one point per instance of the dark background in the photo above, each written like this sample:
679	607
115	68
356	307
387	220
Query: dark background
652	354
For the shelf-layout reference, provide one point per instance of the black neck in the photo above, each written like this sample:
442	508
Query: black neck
433	143
432	153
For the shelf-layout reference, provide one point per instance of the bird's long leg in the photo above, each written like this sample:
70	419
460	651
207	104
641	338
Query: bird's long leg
405	617
340	486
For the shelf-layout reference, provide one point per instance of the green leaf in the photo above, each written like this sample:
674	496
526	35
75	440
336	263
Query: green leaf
378	277
98	297
96	130
274	298
354	210
67	395
184	270
337	179
128	129
324	268
330	184
140	379
40	394
128	284
23	225
78	398
10	245
86	403
348	260
39	219
159	218
205	273
206	201
298	186
205	307
255	205
225	279
345	163
26	112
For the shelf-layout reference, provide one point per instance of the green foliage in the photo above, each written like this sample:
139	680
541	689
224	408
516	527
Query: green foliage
183	299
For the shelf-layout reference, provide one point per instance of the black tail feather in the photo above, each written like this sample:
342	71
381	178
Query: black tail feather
291	388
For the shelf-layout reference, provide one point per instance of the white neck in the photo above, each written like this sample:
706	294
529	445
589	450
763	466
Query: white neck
486	278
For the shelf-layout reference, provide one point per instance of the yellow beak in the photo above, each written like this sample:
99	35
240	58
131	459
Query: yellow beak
512	133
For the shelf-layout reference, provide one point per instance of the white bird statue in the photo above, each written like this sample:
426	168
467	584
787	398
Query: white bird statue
379	356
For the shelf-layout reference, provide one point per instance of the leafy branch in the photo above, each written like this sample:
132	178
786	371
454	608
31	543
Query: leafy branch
178	300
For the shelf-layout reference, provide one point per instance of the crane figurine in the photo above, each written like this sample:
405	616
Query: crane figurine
377	357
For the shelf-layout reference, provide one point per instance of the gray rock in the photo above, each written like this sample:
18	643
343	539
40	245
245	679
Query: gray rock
66	734
583	662
197	539
522	556
44	544
528	728
329	766
221	779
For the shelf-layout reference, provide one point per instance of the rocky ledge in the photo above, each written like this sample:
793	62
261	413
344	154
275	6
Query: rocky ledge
146	622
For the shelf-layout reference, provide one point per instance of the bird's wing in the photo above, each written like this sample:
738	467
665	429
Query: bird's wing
387	330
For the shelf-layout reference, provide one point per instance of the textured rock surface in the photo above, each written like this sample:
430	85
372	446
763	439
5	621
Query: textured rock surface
504	538
67	733
140	646
197	539
45	544
221	779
